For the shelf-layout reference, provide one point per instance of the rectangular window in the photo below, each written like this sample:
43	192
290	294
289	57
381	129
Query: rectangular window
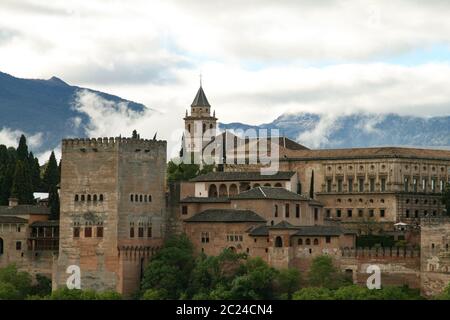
76	232
88	232
316	214
18	245
184	210
382	213
371	213
287	210
338	213
372	184
361	184
350	184
360	213
407	213
406	184
424	184
99	232
328	212
339	185
297	210
140	232
205	237
433	185
383	184
131	232
329	185
415	184
328	239
349	213
149	232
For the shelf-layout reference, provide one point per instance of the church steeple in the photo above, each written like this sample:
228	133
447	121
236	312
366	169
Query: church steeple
200	99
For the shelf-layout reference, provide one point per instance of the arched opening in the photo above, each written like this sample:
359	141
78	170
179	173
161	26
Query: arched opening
300	242
244	187
232	249
278	242
82	197
1	246
308	242
267	185
223	190
278	185
256	185
275	211
189	128
316	242
88	197
95	197
76	198
101	197
212	192
233	190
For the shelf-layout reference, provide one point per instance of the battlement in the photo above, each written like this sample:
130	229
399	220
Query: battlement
390	252
111	142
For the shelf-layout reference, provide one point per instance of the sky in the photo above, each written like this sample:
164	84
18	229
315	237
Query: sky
258	58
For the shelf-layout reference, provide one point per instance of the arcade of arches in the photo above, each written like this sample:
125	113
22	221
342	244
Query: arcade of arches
228	190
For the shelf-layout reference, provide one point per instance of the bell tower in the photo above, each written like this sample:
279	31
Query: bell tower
200	126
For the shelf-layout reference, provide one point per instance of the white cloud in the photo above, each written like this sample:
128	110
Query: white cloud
321	132
259	58
10	138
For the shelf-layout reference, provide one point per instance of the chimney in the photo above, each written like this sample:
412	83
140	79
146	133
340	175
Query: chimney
13	202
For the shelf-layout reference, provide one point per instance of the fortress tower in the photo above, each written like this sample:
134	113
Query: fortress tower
112	210
200	126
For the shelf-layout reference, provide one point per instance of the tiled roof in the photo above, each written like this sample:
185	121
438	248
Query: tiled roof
283	225
259	231
205	200
319	231
49	223
23	210
200	99
243	176
6	219
226	215
270	193
368	153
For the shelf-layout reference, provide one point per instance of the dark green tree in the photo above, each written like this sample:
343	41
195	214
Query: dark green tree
324	274
22	149
171	267
185	172
22	187
14	285
288	282
35	172
50	181
7	168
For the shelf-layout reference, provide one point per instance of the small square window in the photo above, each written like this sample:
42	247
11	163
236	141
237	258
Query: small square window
76	232
88	232
18	245
99	232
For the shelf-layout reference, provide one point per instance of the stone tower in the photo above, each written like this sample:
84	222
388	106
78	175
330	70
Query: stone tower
200	125
112	210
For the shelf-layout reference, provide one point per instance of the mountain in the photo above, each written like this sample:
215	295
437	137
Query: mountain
359	130
45	106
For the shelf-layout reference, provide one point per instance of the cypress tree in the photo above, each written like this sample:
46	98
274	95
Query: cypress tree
35	172
50	182
22	187
7	174
22	149
51	174
53	202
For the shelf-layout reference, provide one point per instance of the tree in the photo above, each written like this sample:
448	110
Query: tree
313	293
185	172
14	285
7	168
35	172
51	181
446	198
288	281
76	294
171	267
324	274
22	187
22	149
